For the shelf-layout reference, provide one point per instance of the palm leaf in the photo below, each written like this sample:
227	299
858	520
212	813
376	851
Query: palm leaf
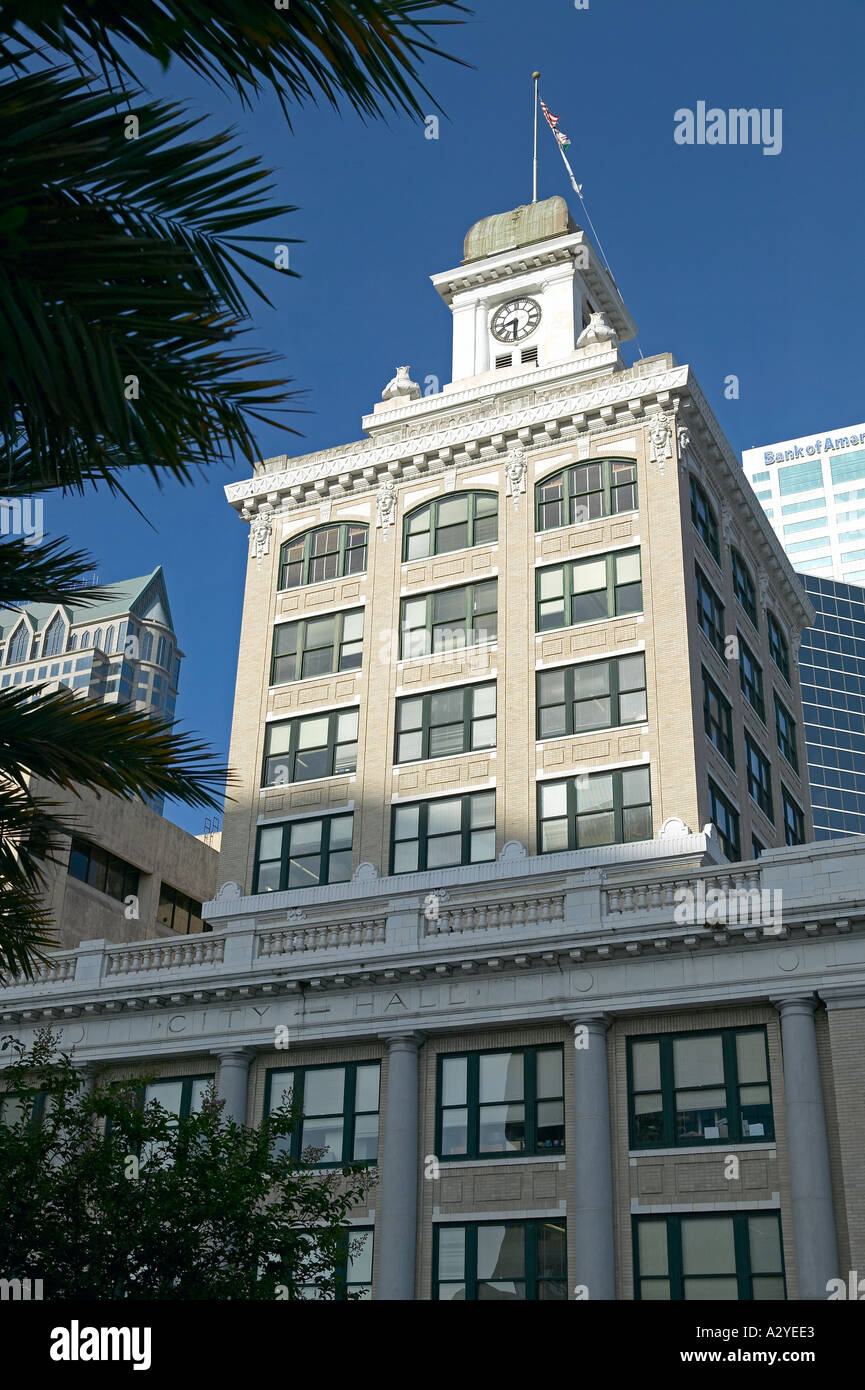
365	51
46	573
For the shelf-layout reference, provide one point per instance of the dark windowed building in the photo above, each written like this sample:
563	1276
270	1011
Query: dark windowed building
832	675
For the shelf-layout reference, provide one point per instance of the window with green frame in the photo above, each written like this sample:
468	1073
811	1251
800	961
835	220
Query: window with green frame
725	819
599	808
444	832
106	872
303	853
704	519
709	1256
751	678
794	820
339	1108
710	612
718	719
778	646
785	728
328	552
591	695
759	777
586	591
743	585
14	1109
447	620
181	1096
603	487
699	1088
503	1102
443	723
317	646
495	1261
318	745
456	522
351	1270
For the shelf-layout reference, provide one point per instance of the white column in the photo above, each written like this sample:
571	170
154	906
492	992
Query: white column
396	1231
592	1219
231	1084
482	337
810	1175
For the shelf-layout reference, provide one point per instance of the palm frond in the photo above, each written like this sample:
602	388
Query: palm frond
74	743
366	52
123	266
25	931
47	573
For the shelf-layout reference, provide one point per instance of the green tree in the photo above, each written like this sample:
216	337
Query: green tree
130	245
102	1197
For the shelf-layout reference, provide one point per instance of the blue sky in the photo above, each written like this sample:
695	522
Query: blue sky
735	261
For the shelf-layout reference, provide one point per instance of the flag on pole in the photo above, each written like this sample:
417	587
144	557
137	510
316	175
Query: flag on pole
563	143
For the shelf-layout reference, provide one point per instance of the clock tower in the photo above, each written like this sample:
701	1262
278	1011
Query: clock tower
529	285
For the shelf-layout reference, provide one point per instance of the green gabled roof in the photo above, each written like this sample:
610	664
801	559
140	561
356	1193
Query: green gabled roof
128	596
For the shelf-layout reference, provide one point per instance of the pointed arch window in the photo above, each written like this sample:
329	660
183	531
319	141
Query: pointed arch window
54	640
109	641
328	552
19	647
73	645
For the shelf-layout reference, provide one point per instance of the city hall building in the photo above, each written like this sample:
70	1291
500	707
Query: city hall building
519	891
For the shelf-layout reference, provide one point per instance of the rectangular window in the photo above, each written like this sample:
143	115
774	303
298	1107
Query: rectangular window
743	585
699	1088
492	1261
339	1106
751	678
798	526
709	1256
725	819
602	487
449	619
599	808
778	646
718	719
794	820
759	777
317	647
444	723
785	728
710	612
703	517
756	847
592	695
107	872
492	1104
319	745
816	504
177	911
351	1271
801	477
585	591
303	853
442	833
760	477
849	467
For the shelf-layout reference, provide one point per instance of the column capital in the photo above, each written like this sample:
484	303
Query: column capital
407	1039
234	1054
597	1021
806	1004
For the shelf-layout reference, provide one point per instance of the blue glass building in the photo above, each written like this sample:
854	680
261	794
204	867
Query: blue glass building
832	671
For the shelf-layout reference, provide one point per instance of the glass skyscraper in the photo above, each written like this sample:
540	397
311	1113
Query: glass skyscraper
832	672
812	490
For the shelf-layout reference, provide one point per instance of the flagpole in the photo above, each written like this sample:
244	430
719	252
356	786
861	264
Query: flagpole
536	78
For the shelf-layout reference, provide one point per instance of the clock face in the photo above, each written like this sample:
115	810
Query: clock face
516	320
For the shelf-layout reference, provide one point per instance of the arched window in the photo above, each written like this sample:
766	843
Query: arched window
329	552
85	640
160	652
54	640
73	645
109	641
602	487
97	637
146	645
19	647
451	523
